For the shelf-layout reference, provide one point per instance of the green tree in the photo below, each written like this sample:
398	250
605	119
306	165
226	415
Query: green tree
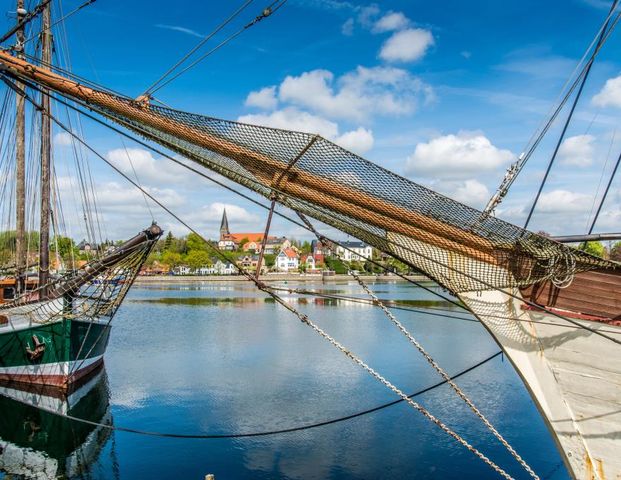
615	252
269	259
337	265
194	242
243	242
196	259
306	247
168	242
172	259
594	248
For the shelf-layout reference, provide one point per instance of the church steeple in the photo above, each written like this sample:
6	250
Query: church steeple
224	225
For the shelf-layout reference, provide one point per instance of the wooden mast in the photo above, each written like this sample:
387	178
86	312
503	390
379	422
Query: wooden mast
44	229
20	160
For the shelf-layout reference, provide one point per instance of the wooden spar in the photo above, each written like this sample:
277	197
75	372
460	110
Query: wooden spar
46	154
332	194
20	160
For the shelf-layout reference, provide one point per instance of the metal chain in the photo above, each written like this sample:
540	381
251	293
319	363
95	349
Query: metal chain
444	375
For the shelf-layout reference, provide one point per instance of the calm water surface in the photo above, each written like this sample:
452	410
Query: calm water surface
206	358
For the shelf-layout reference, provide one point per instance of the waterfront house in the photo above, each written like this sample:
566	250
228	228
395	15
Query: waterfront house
287	260
354	251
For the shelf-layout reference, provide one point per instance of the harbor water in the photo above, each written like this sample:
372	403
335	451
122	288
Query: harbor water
221	358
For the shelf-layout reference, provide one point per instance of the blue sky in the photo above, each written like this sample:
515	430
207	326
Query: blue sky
446	93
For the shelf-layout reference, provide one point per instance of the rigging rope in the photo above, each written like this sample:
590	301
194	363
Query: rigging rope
569	116
206	436
460	393
601	203
269	10
148	91
514	170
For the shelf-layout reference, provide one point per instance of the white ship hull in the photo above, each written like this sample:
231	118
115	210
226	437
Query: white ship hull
573	375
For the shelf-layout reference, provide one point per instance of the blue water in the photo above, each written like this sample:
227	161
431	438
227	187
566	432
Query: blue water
179	362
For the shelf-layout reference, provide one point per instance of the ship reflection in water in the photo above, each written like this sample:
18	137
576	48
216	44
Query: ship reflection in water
36	443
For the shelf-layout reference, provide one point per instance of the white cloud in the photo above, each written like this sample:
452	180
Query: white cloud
456	157
357	95
610	95
149	169
564	201
293	119
358	141
577	151
390	22
407	45
63	139
466	54
264	98
347	28
471	191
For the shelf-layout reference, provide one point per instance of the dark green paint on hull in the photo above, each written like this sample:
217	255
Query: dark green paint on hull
65	341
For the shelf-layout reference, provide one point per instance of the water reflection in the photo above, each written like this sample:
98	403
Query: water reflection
360	302
36	443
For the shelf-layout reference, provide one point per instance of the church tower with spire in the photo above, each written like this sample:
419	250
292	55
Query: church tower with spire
224	226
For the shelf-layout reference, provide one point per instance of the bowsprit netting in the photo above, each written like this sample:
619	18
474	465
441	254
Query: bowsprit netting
92	293
450	242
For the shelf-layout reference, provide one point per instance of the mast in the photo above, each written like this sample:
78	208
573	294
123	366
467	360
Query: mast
44	230
20	158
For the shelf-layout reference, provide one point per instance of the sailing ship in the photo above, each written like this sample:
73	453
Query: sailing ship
553	309
54	329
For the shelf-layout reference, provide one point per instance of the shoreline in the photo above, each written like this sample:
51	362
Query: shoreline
277	277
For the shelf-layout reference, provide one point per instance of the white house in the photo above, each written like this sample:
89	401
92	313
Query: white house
287	260
354	251
222	268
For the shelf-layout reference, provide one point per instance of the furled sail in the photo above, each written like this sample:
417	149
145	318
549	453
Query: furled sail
454	244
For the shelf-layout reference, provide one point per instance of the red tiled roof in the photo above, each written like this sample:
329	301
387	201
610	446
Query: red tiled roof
252	237
290	253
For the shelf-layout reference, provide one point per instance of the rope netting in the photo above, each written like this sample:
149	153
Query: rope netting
450	242
92	293
455	245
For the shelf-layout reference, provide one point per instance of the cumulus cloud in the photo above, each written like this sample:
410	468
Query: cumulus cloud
293	119
264	98
391	21
610	95
456	157
147	167
358	141
407	45
471	191
213	213
356	95
577	151
62	139
563	201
